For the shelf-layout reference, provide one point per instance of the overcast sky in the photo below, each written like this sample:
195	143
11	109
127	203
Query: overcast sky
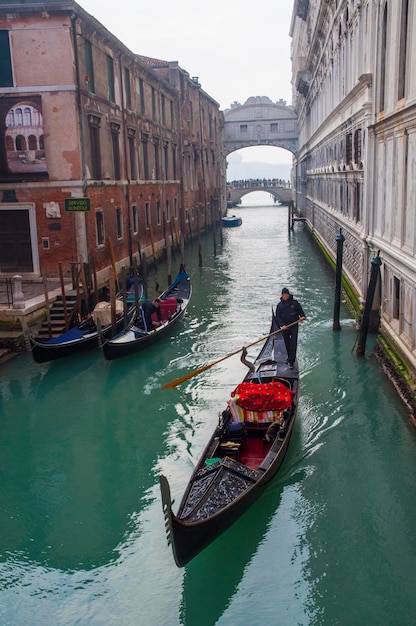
236	48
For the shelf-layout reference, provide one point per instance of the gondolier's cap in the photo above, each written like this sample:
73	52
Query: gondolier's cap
285	290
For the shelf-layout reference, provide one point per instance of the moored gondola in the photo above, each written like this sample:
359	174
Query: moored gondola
82	336
243	454
136	337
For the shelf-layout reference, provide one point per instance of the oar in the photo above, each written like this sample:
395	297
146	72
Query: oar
178	381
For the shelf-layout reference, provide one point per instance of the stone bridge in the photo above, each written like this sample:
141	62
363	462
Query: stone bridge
279	189
260	122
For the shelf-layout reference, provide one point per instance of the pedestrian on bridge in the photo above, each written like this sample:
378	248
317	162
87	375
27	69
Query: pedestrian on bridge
289	311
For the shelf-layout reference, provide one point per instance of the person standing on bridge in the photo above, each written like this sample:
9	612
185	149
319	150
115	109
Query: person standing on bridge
289	311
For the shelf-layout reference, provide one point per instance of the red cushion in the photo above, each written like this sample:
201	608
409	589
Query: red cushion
262	396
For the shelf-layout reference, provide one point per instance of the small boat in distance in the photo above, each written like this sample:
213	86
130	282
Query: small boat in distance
230	221
243	454
135	337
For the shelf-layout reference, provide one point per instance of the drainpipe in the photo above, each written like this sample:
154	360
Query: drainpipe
74	19
126	164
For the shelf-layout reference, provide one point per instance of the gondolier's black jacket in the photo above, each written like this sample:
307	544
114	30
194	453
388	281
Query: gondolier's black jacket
288	311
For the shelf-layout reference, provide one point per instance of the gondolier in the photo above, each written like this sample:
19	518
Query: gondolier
289	311
148	307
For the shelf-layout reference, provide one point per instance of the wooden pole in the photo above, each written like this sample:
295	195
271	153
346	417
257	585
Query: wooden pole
113	301
152	241
124	286
61	276
169	260
78	293
85	288
48	312
113	261
144	275
172	238
94	275
136	282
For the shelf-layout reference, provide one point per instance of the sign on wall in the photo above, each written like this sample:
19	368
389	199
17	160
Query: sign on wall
77	204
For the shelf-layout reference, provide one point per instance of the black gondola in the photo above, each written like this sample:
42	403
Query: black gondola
134	338
82	336
242	456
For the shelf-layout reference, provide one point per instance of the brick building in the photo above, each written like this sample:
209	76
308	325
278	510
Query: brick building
83	117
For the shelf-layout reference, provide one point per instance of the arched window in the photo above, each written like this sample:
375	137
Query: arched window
27	116
10	119
20	142
33	144
19	117
41	143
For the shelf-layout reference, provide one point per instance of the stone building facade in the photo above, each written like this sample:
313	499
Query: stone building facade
83	117
354	90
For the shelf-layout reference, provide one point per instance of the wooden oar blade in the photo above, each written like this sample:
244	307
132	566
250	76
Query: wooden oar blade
182	379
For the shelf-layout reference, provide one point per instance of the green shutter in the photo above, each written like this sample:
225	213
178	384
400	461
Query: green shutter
6	76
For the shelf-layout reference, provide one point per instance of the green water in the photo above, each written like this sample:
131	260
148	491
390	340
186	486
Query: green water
83	441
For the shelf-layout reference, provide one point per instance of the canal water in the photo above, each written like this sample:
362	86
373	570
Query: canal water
83	442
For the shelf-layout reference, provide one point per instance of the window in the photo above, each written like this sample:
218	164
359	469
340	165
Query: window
135	219
147	214
158	212
163	105
172	115
99	223
153	103
403	49
243	128
156	155
396	298
145	138
94	126
89	78
110	79
115	132
119	222
127	87
6	75
166	159
348	148
274	127
383	53
141	96
357	146
175	207
174	162
167	211
132	153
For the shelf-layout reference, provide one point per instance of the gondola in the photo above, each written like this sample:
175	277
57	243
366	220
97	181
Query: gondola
135	337
243	454
82	336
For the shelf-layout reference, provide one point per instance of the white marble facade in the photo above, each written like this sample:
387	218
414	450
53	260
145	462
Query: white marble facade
354	91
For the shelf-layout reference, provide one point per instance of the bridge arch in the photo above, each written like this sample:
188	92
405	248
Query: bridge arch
260	122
